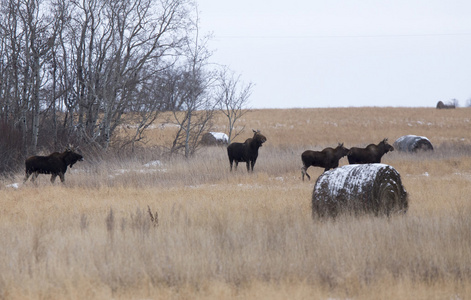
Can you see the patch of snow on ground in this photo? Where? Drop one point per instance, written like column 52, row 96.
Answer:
column 154, row 163
column 13, row 185
column 150, row 167
column 249, row 186
column 463, row 175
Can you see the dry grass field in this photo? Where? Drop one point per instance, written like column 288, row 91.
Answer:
column 223, row 235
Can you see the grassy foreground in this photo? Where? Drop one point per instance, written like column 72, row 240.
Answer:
column 222, row 235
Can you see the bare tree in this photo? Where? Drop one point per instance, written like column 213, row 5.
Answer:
column 196, row 106
column 115, row 44
column 27, row 40
column 71, row 69
column 232, row 97
column 455, row 102
column 148, row 103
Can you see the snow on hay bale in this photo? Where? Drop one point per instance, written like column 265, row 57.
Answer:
column 413, row 143
column 359, row 188
column 214, row 139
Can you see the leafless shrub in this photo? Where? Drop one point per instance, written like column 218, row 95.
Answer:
column 84, row 223
column 153, row 217
column 110, row 222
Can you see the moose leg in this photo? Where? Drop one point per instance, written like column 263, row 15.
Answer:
column 252, row 163
column 304, row 172
column 27, row 174
column 35, row 175
column 230, row 162
column 62, row 177
column 53, row 178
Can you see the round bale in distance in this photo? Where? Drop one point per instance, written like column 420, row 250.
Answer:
column 413, row 143
column 214, row 139
column 359, row 188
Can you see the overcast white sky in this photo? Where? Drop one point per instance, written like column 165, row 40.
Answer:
column 336, row 53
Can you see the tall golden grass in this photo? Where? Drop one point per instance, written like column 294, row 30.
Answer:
column 223, row 235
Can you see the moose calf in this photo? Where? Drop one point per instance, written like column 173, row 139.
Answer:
column 327, row 158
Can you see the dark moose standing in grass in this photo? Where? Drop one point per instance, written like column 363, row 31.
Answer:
column 327, row 158
column 369, row 155
column 247, row 151
column 55, row 164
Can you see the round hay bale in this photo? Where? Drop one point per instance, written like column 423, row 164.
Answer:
column 441, row 105
column 357, row 189
column 214, row 139
column 413, row 143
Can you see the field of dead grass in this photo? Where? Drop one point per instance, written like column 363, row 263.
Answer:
column 223, row 235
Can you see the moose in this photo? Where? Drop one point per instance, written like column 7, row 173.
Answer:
column 246, row 152
column 327, row 158
column 369, row 155
column 55, row 164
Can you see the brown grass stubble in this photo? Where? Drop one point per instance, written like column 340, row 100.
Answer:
column 229, row 235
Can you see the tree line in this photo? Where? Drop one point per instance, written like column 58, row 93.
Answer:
column 71, row 70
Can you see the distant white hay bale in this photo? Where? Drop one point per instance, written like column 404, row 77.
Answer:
column 413, row 143
column 214, row 139
column 356, row 189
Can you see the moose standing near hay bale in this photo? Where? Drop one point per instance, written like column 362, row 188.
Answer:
column 246, row 152
column 328, row 158
column 55, row 164
column 369, row 155
column 359, row 189
column 413, row 143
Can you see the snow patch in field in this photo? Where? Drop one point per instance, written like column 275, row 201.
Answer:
column 154, row 163
column 249, row 186
column 162, row 126
column 148, row 168
column 419, row 123
column 13, row 186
